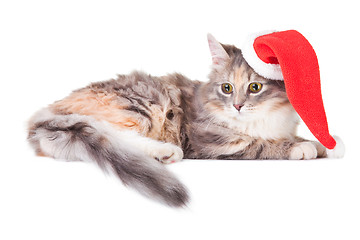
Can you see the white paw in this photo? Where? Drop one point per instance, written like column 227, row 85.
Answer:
column 321, row 150
column 167, row 153
column 303, row 150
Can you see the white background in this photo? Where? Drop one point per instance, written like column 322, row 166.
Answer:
column 49, row 48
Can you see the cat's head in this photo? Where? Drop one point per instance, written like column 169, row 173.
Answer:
column 236, row 92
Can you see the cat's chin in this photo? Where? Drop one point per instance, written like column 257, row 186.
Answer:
column 245, row 117
column 234, row 118
column 242, row 116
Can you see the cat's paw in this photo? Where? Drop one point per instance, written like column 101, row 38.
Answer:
column 304, row 150
column 321, row 150
column 167, row 153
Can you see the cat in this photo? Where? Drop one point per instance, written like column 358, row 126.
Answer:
column 134, row 124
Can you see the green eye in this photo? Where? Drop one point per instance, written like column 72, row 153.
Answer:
column 227, row 88
column 255, row 87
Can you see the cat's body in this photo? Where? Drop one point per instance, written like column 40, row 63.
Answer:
column 134, row 123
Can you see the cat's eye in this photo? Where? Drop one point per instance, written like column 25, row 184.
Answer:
column 255, row 87
column 227, row 88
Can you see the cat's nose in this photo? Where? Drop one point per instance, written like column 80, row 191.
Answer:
column 237, row 106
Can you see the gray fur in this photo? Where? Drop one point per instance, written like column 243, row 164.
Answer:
column 80, row 138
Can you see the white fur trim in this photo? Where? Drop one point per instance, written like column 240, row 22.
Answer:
column 267, row 70
column 338, row 151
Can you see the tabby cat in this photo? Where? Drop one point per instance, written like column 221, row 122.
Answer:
column 133, row 124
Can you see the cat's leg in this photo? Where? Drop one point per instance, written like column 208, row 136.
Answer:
column 295, row 149
column 160, row 151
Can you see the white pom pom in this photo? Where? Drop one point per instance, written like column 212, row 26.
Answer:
column 338, row 151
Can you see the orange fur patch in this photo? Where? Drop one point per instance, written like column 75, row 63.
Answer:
column 158, row 119
column 238, row 77
column 101, row 106
column 39, row 153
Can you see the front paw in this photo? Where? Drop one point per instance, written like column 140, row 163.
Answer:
column 304, row 150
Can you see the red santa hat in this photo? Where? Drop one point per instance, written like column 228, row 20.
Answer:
column 288, row 56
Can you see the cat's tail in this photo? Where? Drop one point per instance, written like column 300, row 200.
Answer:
column 76, row 137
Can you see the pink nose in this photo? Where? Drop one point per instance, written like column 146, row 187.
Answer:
column 237, row 106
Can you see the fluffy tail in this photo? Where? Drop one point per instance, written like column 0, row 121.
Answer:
column 75, row 137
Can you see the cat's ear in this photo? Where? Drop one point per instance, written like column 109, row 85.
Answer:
column 218, row 53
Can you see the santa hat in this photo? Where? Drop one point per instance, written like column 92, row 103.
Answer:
column 288, row 56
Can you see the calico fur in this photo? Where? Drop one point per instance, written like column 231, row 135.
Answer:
column 132, row 124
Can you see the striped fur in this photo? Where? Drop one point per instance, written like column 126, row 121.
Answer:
column 132, row 124
column 82, row 138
